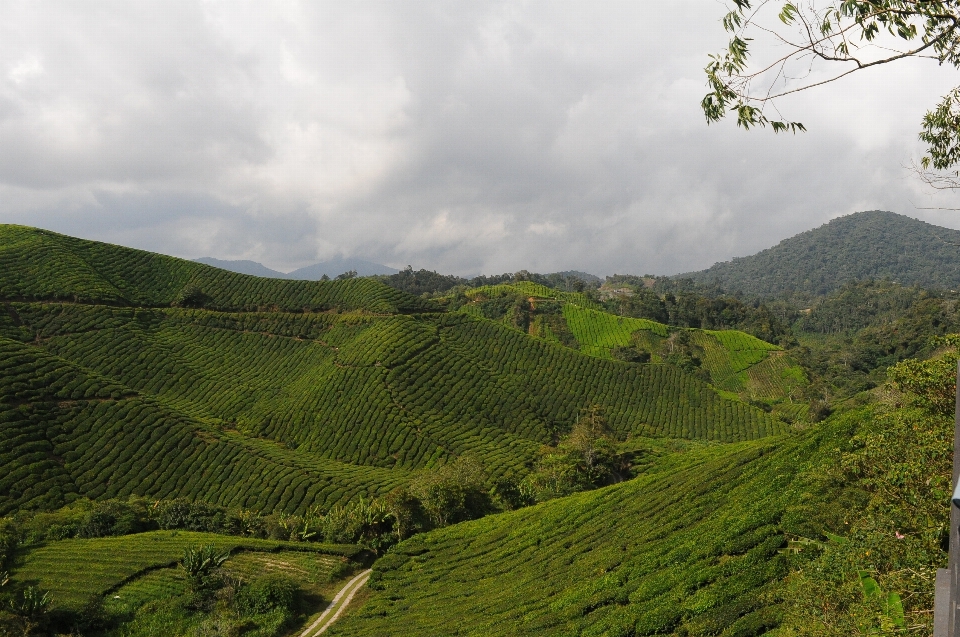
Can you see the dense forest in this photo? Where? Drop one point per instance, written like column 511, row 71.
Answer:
column 864, row 245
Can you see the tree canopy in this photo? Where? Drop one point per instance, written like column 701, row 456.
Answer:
column 847, row 36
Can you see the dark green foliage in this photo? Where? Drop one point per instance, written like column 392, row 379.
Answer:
column 858, row 305
column 585, row 459
column 191, row 296
column 854, row 361
column 865, row 245
column 273, row 592
column 191, row 516
column 629, row 354
column 421, row 281
column 697, row 307
column 109, row 518
column 10, row 538
column 199, row 565
column 453, row 493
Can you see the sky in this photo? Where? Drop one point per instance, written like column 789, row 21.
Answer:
column 468, row 138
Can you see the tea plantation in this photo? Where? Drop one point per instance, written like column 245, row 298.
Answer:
column 73, row 570
column 698, row 546
column 283, row 395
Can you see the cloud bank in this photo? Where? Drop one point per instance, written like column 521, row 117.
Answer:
column 463, row 137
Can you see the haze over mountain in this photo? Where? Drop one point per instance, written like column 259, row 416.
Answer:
column 331, row 268
column 242, row 266
column 865, row 245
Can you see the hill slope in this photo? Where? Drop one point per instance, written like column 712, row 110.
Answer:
column 277, row 410
column 694, row 548
column 863, row 245
column 38, row 264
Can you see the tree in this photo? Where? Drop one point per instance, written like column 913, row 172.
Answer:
column 585, row 459
column 851, row 35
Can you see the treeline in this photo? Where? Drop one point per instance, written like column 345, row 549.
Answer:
column 420, row 282
column 895, row 330
column 585, row 458
column 682, row 303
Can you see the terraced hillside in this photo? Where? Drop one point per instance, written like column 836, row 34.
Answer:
column 738, row 365
column 696, row 547
column 116, row 392
column 141, row 566
column 42, row 265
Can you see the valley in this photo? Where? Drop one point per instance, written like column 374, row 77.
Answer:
column 523, row 455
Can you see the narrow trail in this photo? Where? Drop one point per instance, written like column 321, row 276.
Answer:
column 337, row 605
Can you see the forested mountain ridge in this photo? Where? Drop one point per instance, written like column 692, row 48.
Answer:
column 864, row 245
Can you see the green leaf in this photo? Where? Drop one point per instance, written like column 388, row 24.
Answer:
column 871, row 588
column 788, row 14
column 895, row 610
column 836, row 539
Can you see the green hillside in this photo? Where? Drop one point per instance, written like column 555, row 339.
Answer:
column 864, row 245
column 43, row 265
column 113, row 394
column 739, row 365
column 74, row 569
column 696, row 547
column 833, row 531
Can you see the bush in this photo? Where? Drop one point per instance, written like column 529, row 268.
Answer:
column 10, row 539
column 192, row 516
column 191, row 296
column 630, row 354
column 200, row 566
column 106, row 519
column 585, row 459
column 454, row 492
column 266, row 594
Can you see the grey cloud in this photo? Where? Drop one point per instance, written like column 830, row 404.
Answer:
column 477, row 137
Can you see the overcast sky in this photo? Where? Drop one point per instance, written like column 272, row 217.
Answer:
column 462, row 137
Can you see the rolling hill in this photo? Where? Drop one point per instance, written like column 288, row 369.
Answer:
column 282, row 395
column 736, row 364
column 697, row 546
column 864, row 245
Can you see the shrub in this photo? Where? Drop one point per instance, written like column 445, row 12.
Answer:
column 630, row 354
column 191, row 296
column 585, row 459
column 200, row 565
column 269, row 593
column 454, row 492
column 191, row 516
column 10, row 539
column 106, row 519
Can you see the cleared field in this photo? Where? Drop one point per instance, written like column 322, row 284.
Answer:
column 73, row 570
column 598, row 331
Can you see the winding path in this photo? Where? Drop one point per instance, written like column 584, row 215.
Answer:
column 340, row 602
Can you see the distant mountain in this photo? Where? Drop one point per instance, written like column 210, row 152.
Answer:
column 339, row 265
column 864, row 245
column 314, row 272
column 243, row 267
